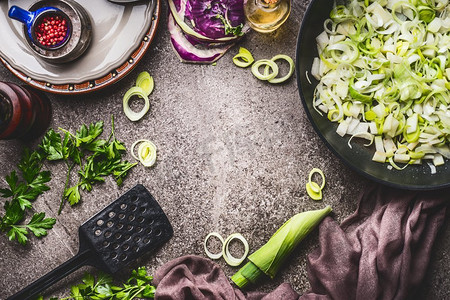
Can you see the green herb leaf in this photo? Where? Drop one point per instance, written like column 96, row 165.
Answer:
column 52, row 146
column 73, row 195
column 75, row 292
column 22, row 194
column 18, row 233
column 104, row 278
column 86, row 135
column 97, row 158
column 38, row 224
column 137, row 286
column 12, row 180
column 13, row 214
column 24, row 202
column 149, row 291
column 88, row 280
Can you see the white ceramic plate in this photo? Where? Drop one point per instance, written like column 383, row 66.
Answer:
column 121, row 34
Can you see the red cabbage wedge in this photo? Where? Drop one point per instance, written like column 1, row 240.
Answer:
column 203, row 30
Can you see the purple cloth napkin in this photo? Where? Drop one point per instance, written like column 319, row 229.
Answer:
column 195, row 277
column 380, row 252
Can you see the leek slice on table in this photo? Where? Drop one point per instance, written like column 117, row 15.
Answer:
column 289, row 73
column 146, row 152
column 269, row 258
column 312, row 188
column 143, row 88
column 229, row 258
column 205, row 245
column 135, row 91
column 269, row 65
column 244, row 58
column 145, row 82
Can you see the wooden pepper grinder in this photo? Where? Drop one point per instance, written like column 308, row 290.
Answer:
column 24, row 112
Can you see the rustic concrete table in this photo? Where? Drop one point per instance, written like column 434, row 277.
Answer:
column 234, row 156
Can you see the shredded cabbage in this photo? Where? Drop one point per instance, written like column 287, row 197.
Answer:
column 384, row 75
column 203, row 30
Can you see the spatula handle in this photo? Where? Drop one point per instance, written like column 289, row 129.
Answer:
column 35, row 288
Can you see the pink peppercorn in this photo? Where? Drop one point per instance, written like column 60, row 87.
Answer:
column 51, row 31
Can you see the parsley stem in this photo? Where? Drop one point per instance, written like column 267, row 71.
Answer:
column 141, row 289
column 66, row 184
column 112, row 134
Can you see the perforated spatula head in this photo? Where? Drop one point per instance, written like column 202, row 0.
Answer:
column 132, row 225
column 127, row 228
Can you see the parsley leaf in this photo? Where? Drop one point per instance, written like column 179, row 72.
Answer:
column 86, row 135
column 21, row 193
column 18, row 233
column 38, row 224
column 13, row 214
column 52, row 145
column 73, row 195
column 97, row 158
column 137, row 286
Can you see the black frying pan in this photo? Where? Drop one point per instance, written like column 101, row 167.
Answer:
column 415, row 177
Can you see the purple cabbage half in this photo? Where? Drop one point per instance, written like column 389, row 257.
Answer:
column 212, row 17
column 191, row 52
column 203, row 30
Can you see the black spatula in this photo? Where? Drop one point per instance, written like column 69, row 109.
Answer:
column 132, row 225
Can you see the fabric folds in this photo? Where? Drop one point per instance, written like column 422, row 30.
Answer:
column 195, row 277
column 381, row 251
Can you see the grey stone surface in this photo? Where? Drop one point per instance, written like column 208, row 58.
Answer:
column 234, row 154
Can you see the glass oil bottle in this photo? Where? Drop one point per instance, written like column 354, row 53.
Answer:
column 267, row 15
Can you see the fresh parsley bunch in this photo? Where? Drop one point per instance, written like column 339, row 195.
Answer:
column 22, row 192
column 96, row 158
column 102, row 288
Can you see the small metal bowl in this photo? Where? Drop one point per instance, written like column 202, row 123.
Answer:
column 55, row 13
column 34, row 20
column 78, row 35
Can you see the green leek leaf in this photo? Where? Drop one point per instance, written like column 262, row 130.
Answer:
column 269, row 258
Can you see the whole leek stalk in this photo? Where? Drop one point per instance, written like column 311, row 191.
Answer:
column 269, row 258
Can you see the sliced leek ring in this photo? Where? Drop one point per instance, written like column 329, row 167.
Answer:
column 135, row 91
column 145, row 82
column 314, row 191
column 208, row 253
column 230, row 259
column 244, row 58
column 146, row 152
column 312, row 188
column 319, row 171
column 291, row 68
column 269, row 65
